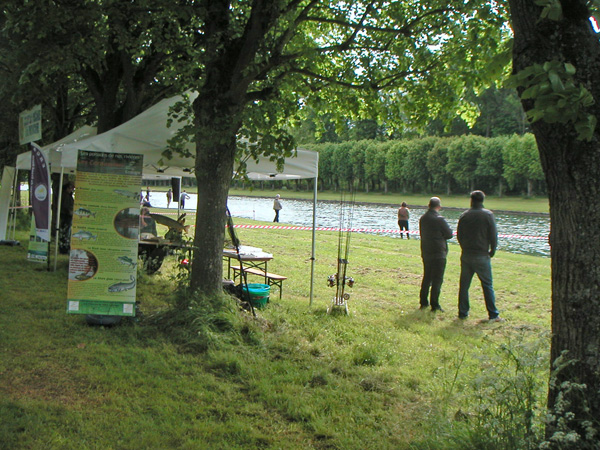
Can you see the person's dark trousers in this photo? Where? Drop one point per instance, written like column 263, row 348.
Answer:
column 482, row 266
column 433, row 277
column 403, row 225
column 64, row 236
column 276, row 219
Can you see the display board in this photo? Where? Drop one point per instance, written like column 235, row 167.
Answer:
column 104, row 238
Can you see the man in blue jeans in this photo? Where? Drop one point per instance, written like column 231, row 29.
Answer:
column 478, row 239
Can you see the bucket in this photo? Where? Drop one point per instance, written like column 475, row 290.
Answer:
column 259, row 294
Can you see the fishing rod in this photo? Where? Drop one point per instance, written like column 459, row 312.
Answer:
column 339, row 279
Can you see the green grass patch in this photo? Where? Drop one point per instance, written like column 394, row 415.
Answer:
column 387, row 376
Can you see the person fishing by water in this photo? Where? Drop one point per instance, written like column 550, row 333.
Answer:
column 403, row 216
column 277, row 206
column 182, row 198
column 169, row 197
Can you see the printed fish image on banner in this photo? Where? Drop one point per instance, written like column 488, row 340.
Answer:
column 128, row 194
column 127, row 261
column 83, row 212
column 85, row 235
column 123, row 286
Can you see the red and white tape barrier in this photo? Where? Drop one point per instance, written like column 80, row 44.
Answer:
column 366, row 230
column 353, row 230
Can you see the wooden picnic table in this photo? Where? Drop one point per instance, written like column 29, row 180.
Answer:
column 250, row 257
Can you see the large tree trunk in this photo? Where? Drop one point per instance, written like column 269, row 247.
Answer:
column 217, row 124
column 572, row 169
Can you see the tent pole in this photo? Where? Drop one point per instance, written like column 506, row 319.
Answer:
column 314, row 225
column 56, row 237
column 13, row 218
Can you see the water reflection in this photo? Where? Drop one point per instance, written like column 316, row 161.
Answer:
column 511, row 227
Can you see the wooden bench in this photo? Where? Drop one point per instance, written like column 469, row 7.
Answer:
column 272, row 279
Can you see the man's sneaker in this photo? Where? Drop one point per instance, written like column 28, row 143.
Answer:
column 497, row 319
column 424, row 307
column 463, row 317
column 436, row 310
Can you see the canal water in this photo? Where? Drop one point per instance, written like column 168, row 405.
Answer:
column 518, row 233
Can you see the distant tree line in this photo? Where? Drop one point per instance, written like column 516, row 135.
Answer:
column 499, row 165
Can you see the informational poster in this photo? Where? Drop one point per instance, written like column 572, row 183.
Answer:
column 104, row 237
column 39, row 196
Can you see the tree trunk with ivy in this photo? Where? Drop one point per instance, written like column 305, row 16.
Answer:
column 569, row 149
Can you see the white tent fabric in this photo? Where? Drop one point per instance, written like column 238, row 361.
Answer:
column 148, row 134
column 24, row 159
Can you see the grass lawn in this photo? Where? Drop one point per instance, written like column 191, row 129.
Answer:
column 387, row 376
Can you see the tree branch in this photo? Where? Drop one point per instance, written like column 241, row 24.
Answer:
column 405, row 30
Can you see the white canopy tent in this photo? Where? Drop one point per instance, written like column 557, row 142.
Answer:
column 149, row 135
column 53, row 150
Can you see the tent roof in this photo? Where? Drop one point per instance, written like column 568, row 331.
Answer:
column 24, row 159
column 148, row 134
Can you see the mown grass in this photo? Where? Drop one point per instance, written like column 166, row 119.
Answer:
column 387, row 376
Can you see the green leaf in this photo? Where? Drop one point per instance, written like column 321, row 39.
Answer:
column 585, row 128
column 570, row 69
column 531, row 92
column 556, row 82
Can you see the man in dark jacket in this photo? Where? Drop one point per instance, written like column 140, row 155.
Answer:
column 478, row 239
column 434, row 233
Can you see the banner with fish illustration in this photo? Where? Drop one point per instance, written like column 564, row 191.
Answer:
column 104, row 237
column 39, row 192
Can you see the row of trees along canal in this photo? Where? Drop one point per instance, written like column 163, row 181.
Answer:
column 501, row 165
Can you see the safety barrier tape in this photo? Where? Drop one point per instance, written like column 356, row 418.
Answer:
column 366, row 230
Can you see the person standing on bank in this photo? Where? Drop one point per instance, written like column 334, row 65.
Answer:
column 169, row 197
column 435, row 233
column 184, row 195
column 478, row 239
column 277, row 207
column 403, row 216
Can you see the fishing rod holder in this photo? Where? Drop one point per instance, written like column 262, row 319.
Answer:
column 340, row 300
column 334, row 281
